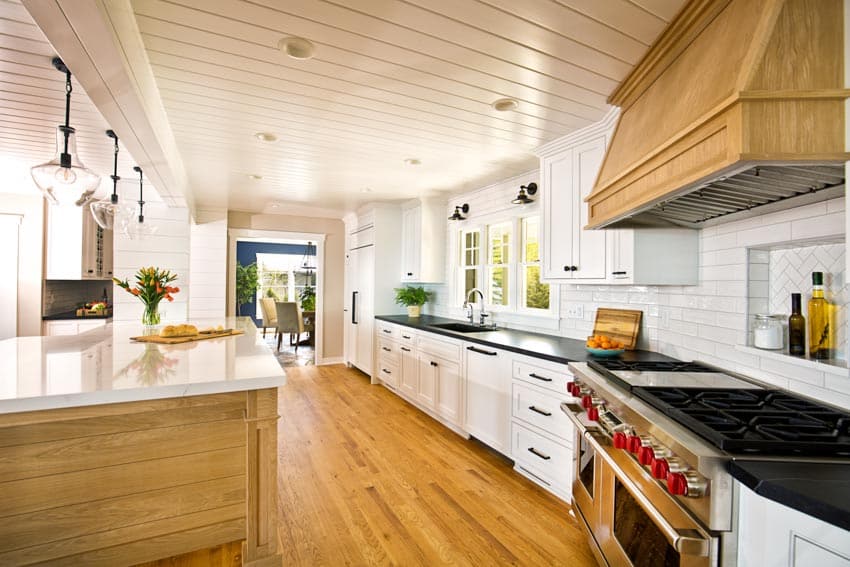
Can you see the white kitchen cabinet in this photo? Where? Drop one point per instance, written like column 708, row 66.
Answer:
column 772, row 534
column 75, row 246
column 409, row 379
column 488, row 379
column 374, row 251
column 570, row 253
column 423, row 241
column 654, row 256
column 426, row 390
column 70, row 326
column 449, row 391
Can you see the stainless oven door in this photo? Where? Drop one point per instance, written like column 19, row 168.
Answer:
column 639, row 523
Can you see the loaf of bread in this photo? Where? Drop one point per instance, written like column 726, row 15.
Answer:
column 178, row 331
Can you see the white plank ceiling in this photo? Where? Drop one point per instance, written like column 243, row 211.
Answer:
column 390, row 80
column 32, row 105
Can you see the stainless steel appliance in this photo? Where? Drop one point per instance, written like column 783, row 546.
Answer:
column 652, row 444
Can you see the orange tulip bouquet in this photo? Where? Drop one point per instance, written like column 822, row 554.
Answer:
column 151, row 287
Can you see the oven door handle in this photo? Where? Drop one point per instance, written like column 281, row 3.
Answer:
column 685, row 541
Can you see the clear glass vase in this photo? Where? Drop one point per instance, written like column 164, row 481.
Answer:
column 151, row 316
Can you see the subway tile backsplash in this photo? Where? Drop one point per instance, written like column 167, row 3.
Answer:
column 61, row 296
column 707, row 322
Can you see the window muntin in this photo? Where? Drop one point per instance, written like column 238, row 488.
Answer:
column 470, row 260
column 499, row 238
column 535, row 295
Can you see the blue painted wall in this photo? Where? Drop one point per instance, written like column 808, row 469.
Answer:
column 246, row 253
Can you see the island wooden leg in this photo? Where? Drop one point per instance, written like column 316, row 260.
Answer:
column 260, row 548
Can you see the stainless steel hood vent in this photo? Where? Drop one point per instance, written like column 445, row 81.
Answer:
column 762, row 186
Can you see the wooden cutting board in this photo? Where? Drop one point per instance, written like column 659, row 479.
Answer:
column 619, row 324
column 177, row 340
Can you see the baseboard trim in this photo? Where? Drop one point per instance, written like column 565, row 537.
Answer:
column 327, row 361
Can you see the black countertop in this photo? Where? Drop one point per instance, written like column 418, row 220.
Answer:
column 821, row 490
column 73, row 315
column 548, row 347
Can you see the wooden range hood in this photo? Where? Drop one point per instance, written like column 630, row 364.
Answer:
column 740, row 103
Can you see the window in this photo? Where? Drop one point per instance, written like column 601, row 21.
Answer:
column 507, row 269
column 470, row 260
column 535, row 295
column 498, row 264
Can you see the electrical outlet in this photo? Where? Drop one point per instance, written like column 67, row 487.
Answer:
column 575, row 311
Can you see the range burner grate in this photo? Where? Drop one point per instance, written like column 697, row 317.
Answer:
column 755, row 421
column 648, row 366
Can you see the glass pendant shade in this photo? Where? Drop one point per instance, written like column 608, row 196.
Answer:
column 64, row 180
column 111, row 215
column 139, row 230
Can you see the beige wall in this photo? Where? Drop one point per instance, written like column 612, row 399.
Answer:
column 334, row 268
column 30, row 252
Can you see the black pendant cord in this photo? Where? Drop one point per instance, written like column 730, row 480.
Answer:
column 115, row 178
column 65, row 157
column 141, row 200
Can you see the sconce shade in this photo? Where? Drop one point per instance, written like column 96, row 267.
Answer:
column 522, row 197
column 458, row 210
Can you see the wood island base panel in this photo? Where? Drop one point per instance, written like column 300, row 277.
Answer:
column 130, row 483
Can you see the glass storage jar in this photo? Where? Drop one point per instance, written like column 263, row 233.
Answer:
column 768, row 332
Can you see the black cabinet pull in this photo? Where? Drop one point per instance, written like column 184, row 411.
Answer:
column 480, row 351
column 573, row 268
column 409, row 273
column 534, row 451
column 566, row 268
column 386, row 349
column 540, row 411
column 618, row 273
column 405, row 336
column 433, row 363
column 387, row 331
column 405, row 349
column 386, row 371
column 354, row 307
column 538, row 377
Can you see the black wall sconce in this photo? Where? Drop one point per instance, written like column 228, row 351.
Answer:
column 525, row 190
column 458, row 210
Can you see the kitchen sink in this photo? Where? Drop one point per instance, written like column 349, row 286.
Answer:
column 461, row 327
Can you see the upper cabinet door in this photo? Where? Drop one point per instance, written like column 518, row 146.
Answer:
column 423, row 235
column 411, row 238
column 589, row 246
column 558, row 200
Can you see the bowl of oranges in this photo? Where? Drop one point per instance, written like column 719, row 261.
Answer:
column 604, row 346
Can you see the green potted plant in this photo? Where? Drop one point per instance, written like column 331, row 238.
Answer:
column 308, row 299
column 413, row 298
column 247, row 282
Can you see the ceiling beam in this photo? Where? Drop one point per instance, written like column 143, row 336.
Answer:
column 100, row 43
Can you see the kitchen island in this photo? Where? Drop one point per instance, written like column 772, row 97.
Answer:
column 114, row 452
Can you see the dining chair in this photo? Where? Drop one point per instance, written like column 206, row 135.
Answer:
column 269, row 313
column 289, row 320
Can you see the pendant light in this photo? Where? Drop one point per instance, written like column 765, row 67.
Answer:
column 522, row 198
column 140, row 229
column 64, row 179
column 309, row 260
column 108, row 213
column 458, row 210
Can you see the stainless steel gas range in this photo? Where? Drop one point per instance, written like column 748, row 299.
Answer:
column 653, row 441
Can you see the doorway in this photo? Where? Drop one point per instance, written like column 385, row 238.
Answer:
column 288, row 270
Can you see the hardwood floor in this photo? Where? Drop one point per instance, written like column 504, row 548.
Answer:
column 367, row 479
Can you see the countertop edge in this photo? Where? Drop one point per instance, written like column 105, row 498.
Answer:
column 106, row 397
column 772, row 489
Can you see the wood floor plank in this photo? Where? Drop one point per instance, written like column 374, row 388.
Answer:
column 367, row 479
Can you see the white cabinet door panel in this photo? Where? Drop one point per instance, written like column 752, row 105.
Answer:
column 488, row 375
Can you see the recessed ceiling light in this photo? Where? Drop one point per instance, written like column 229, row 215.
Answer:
column 366, row 190
column 505, row 104
column 254, row 176
column 412, row 161
column 265, row 137
column 297, row 47
column 274, row 206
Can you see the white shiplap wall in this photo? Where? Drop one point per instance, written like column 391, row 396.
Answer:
column 168, row 248
column 705, row 322
column 208, row 265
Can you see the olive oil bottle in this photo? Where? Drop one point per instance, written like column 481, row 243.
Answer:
column 821, row 336
column 796, row 328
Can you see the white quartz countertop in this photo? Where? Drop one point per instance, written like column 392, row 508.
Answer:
column 103, row 366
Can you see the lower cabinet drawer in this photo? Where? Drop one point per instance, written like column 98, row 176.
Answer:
column 388, row 351
column 542, row 410
column 388, row 372
column 552, row 377
column 549, row 461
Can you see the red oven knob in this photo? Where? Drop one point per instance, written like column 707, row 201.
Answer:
column 570, row 388
column 660, row 468
column 645, row 455
column 619, row 440
column 593, row 413
column 586, row 401
column 677, row 484
column 633, row 443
